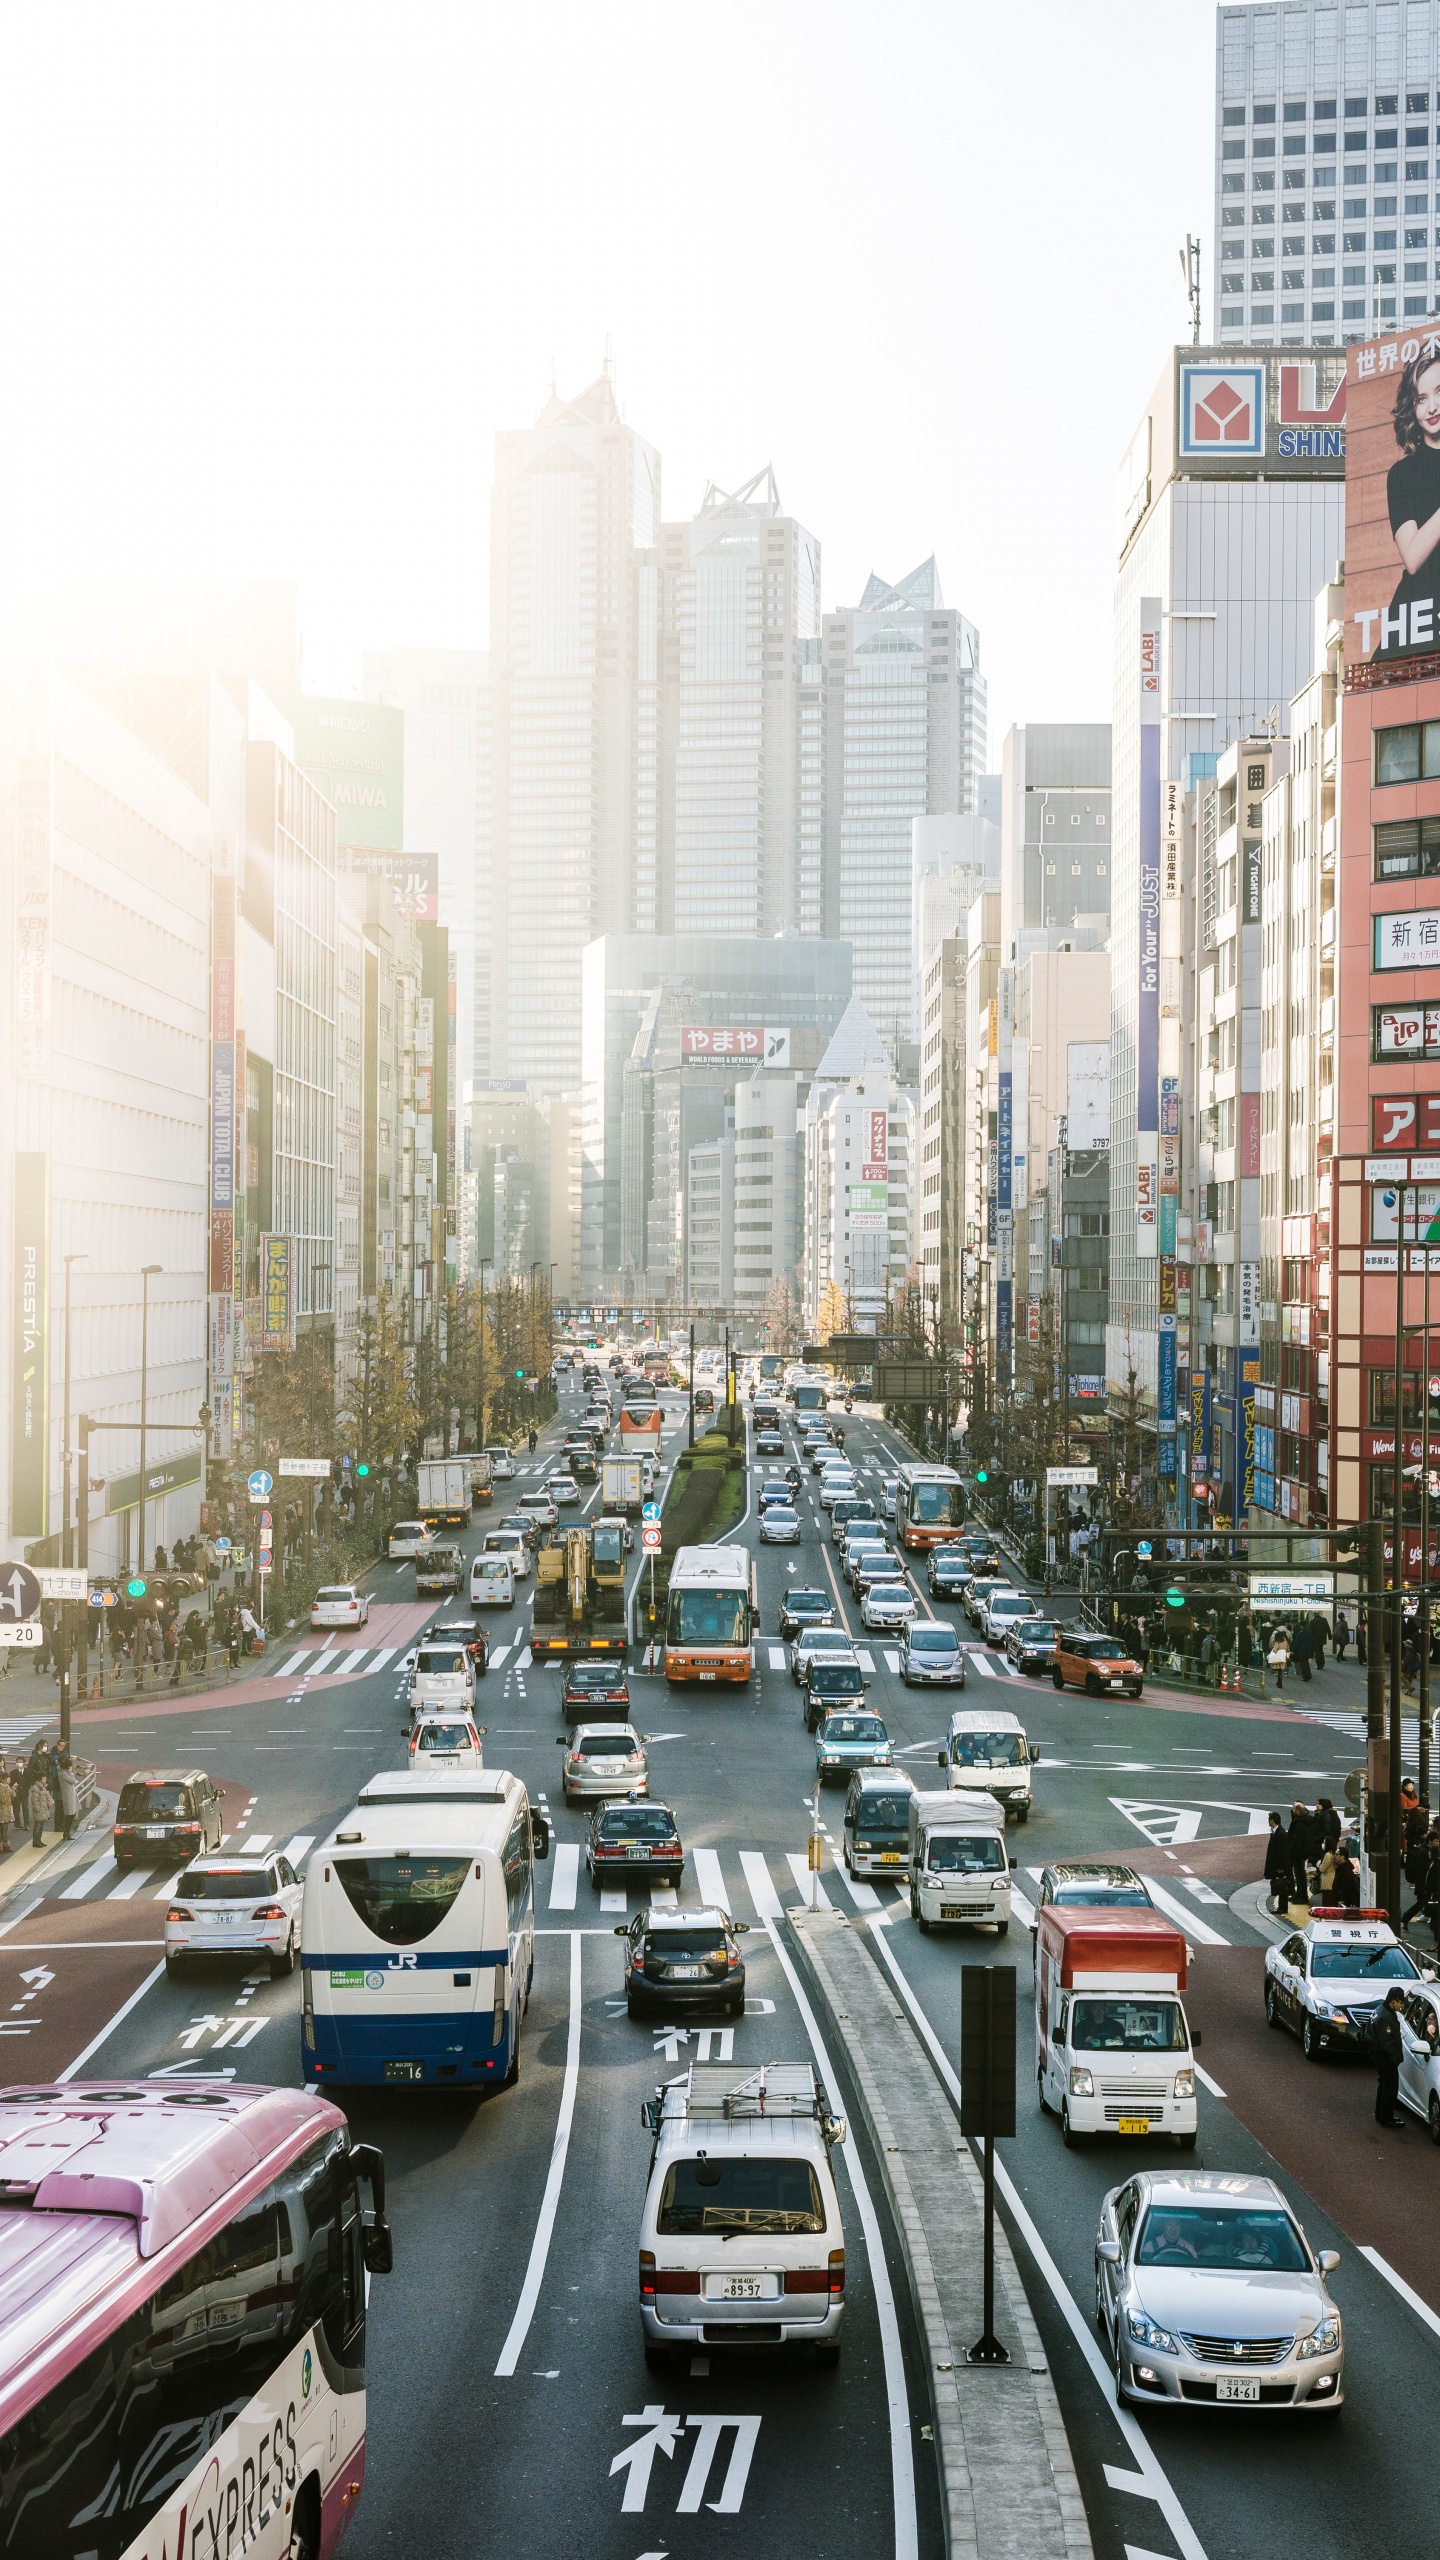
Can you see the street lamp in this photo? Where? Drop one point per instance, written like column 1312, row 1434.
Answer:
column 65, row 1554
column 149, row 1271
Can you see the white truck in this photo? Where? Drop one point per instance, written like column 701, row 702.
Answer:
column 622, row 1487
column 959, row 1869
column 1114, row 2052
column 444, row 1491
column 482, row 1480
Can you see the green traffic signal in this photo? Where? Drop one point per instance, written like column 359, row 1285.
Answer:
column 137, row 1587
column 1174, row 1599
column 980, row 1476
column 362, row 1467
column 519, row 1373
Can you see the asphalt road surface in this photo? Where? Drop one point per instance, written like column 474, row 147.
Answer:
column 508, row 2392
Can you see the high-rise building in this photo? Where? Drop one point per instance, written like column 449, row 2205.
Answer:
column 953, row 860
column 740, row 595
column 1325, row 150
column 1054, row 833
column 575, row 519
column 1232, row 519
column 859, row 1177
column 904, row 738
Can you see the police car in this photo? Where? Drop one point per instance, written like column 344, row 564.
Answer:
column 1326, row 1982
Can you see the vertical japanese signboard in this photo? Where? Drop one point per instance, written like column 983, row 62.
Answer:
column 277, row 1293
column 1147, row 1023
column 30, row 1348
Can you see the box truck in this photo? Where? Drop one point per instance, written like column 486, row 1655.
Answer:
column 959, row 1871
column 444, row 1491
column 1113, row 2048
column 622, row 1490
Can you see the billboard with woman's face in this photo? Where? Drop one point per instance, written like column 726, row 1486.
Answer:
column 1392, row 498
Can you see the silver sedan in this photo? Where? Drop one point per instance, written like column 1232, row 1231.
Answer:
column 603, row 1760
column 1211, row 2296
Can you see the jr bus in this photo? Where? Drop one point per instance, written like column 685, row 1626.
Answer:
column 419, row 1933
column 929, row 1506
column 710, row 1615
column 640, row 1428
column 182, row 2320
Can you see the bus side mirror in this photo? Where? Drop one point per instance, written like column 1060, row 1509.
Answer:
column 378, row 2247
column 539, row 1834
column 939, row 1759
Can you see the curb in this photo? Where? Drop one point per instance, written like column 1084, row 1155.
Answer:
column 1007, row 2474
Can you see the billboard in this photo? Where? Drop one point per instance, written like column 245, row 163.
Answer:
column 355, row 753
column 277, row 1293
column 1244, row 410
column 1147, row 1019
column 413, row 880
column 766, row 1048
column 1392, row 494
column 876, row 1142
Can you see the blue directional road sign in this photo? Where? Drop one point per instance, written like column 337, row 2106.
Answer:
column 651, row 1511
column 260, row 1484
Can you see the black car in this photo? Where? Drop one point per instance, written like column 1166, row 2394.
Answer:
column 768, row 1442
column 683, row 1960
column 805, row 1609
column 590, row 1685
column 983, row 1553
column 474, row 1639
column 634, row 1838
column 950, row 1572
column 1030, row 1644
column 166, row 1817
column 828, row 1685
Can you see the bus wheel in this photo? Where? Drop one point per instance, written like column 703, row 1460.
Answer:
column 513, row 2074
column 305, row 2525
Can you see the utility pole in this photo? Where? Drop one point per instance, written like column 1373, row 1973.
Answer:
column 149, row 1271
column 692, row 1387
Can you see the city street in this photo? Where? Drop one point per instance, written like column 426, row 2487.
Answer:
column 513, row 2301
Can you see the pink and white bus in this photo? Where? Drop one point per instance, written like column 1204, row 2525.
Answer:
column 182, row 2320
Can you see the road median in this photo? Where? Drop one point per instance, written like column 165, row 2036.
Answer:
column 1007, row 2477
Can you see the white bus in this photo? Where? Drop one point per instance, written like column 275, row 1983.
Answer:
column 710, row 1615
column 929, row 1506
column 419, row 1933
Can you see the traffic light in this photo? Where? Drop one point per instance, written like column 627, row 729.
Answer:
column 519, row 1373
column 1174, row 1599
column 136, row 1586
column 981, row 1476
column 362, row 1466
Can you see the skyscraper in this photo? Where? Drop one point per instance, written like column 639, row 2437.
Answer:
column 1055, row 832
column 1320, row 232
column 574, row 521
column 741, row 591
column 904, row 714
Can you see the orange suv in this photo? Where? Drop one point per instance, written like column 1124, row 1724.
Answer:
column 1096, row 1664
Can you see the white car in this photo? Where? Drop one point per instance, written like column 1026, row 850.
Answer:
column 339, row 1605
column 235, row 1906
column 539, row 1508
column 512, row 1543
column 816, row 1643
column 446, row 1742
column 779, row 1526
column 1326, row 1981
column 492, row 1581
column 502, row 1465
column 888, row 1604
column 562, row 1489
column 838, row 1486
column 1420, row 2070
column 889, row 1495
column 408, row 1538
column 1211, row 2296
column 442, row 1680
column 1002, row 1611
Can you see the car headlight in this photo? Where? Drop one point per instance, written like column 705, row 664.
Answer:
column 1082, row 2083
column 1324, row 2339
column 1322, row 2008
column 1184, row 2084
column 1148, row 2333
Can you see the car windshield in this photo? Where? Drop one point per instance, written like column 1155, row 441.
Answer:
column 223, row 1884
column 987, row 1750
column 1039, row 1631
column 401, row 1899
column 1100, row 1649
column 1128, row 2026
column 948, row 1568
column 799, row 1601
column 1010, row 1604
column 967, row 1857
column 1104, row 1897
column 1361, row 1964
column 882, row 1813
column 604, row 1746
column 435, row 1661
column 490, row 1568
column 142, row 1803
column 636, row 1822
column 939, row 1506
column 837, row 1680
column 782, row 1512
column 822, row 1640
column 931, row 1640
column 1261, row 2241
column 767, row 2195
column 854, row 1729
column 594, row 1675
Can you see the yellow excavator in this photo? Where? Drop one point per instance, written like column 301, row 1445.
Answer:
column 580, row 1589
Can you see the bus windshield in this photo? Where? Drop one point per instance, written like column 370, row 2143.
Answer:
column 988, row 1750
column 937, row 1505
column 708, row 1617
column 401, row 1899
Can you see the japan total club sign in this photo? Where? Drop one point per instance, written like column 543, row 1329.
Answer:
column 876, row 1167
column 766, row 1048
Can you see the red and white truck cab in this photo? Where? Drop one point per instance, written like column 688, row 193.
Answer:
column 1113, row 2048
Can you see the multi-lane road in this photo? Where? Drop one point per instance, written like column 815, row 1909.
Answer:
column 509, row 2394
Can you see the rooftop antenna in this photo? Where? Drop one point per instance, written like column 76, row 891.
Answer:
column 1190, row 269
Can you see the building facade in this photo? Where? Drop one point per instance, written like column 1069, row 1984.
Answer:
column 1055, row 832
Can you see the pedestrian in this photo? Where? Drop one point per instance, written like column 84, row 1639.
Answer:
column 1345, row 1884
column 1301, row 1840
column 233, row 1639
column 531, row 1441
column 1320, row 1632
column 67, row 1788
column 1300, row 1649
column 7, row 1808
column 1419, row 1850
column 1414, row 1817
column 1277, row 1864
column 42, row 1813
column 1388, row 2046
column 1342, row 1634
column 162, row 1561
column 1327, row 1827
column 195, row 1640
column 1278, row 1655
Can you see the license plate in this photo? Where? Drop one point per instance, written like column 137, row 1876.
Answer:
column 687, row 1973
column 221, row 1919
column 707, row 1675
column 1236, row 2386
column 1117, row 1684
column 404, row 2070
column 1133, row 2124
column 892, row 1857
column 641, row 1854
column 742, row 2289
column 154, row 1835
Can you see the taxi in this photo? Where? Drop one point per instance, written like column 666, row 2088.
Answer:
column 1095, row 1664
column 1326, row 1981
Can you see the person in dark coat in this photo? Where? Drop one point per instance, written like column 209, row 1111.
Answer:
column 1388, row 2046
column 1319, row 1631
column 1346, row 1888
column 1342, row 1634
column 1301, row 1647
column 1277, row 1863
column 1327, row 1826
column 1301, row 1852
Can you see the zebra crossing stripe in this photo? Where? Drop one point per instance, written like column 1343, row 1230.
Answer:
column 979, row 1661
column 287, row 1669
column 777, row 1657
column 767, row 1901
column 566, row 1877
column 710, row 1879
column 98, row 1869
column 498, row 1655
column 298, row 1848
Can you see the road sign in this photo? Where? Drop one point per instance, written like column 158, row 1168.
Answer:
column 651, row 1534
column 63, row 1581
column 1072, row 1475
column 21, row 1631
column 266, row 1525
column 104, row 1599
column 19, row 1592
column 911, row 1382
column 259, row 1484
column 650, row 1511
column 222, row 1546
column 304, row 1467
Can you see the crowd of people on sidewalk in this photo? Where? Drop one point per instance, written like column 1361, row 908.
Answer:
column 40, row 1794
column 1315, row 1858
column 168, row 1635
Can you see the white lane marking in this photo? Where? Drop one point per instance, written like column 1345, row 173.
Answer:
column 864, row 1896
column 257, row 1841
column 23, row 1914
column 976, row 1660
column 384, row 1654
column 1406, row 2292
column 1190, row 1921
column 549, row 2202
column 1201, row 1890
column 1134, row 2482
column 710, row 1879
column 123, row 2012
column 762, row 1891
column 777, row 1657
column 1257, row 1818
column 1191, row 2546
column 865, row 1660
column 566, row 1877
column 498, row 1655
column 296, row 1849
column 664, row 1897
column 88, row 1877
column 163, row 1891
column 1023, row 1909
column 1165, row 1826
column 294, row 1663
column 892, row 1659
column 522, row 1659
column 129, row 1885
column 808, row 1886
column 902, row 2462
column 352, row 1659
column 1212, row 2085
column 612, row 1902
column 321, row 1661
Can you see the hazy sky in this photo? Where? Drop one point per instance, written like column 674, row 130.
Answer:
column 272, row 276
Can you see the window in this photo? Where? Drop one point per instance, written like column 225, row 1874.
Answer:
column 1324, row 112
column 1407, row 849
column 1232, row 115
column 1417, row 239
column 1323, row 245
column 1293, row 281
column 1262, row 311
column 1232, row 249
column 1263, row 115
column 1294, row 111
column 1408, row 754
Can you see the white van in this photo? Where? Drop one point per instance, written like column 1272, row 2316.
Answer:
column 442, row 1678
column 959, row 1870
column 492, row 1581
column 409, row 1538
column 512, row 1543
column 986, row 1750
column 419, row 1933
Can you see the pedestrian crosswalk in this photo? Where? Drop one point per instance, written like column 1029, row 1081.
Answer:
column 96, row 1882
column 348, row 1658
column 768, row 1884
